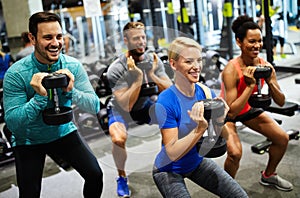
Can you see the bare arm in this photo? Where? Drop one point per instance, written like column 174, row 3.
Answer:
column 176, row 148
column 274, row 88
column 230, row 79
column 162, row 82
column 126, row 97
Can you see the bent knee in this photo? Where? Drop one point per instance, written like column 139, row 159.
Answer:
column 118, row 135
column 120, row 141
column 234, row 154
column 285, row 138
column 282, row 140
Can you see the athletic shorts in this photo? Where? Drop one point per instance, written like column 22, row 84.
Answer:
column 252, row 113
column 142, row 116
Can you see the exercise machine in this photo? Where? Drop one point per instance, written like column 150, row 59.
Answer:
column 288, row 109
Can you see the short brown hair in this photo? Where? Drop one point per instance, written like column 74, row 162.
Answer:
column 41, row 17
column 133, row 25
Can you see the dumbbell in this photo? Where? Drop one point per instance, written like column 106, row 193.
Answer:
column 5, row 143
column 212, row 145
column 87, row 122
column 3, row 148
column 148, row 88
column 58, row 114
column 258, row 99
column 103, row 89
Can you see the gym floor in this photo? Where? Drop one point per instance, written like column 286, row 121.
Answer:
column 142, row 146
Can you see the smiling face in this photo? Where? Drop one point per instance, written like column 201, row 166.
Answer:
column 136, row 41
column 48, row 42
column 252, row 43
column 189, row 64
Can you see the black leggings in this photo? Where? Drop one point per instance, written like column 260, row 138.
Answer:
column 280, row 39
column 30, row 160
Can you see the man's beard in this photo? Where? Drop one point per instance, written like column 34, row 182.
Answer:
column 135, row 53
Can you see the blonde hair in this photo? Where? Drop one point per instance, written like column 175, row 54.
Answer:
column 179, row 44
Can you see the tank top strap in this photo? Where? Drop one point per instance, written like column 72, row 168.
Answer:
column 262, row 61
column 237, row 66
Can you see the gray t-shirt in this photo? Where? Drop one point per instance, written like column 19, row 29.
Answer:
column 119, row 77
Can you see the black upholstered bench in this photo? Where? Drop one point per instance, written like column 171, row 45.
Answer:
column 287, row 109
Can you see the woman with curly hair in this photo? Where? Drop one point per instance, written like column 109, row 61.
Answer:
column 238, row 85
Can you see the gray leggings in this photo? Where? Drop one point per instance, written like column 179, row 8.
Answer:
column 208, row 175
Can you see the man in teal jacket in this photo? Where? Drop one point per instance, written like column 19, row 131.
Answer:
column 25, row 98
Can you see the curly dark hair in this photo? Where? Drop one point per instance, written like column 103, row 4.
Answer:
column 242, row 24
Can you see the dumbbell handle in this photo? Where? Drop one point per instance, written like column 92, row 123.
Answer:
column 210, row 130
column 258, row 82
column 56, row 101
column 146, row 79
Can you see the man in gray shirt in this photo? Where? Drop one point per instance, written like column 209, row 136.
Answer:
column 126, row 76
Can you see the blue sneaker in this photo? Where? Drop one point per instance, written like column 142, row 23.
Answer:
column 122, row 187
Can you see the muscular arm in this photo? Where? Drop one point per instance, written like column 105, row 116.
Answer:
column 126, row 97
column 162, row 81
column 126, row 93
column 235, row 103
column 274, row 88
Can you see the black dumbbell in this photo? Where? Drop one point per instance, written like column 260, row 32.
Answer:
column 262, row 72
column 258, row 99
column 212, row 145
column 3, row 149
column 87, row 122
column 148, row 88
column 213, row 108
column 59, row 114
column 55, row 80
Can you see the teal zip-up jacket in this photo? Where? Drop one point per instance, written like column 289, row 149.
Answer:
column 23, row 106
